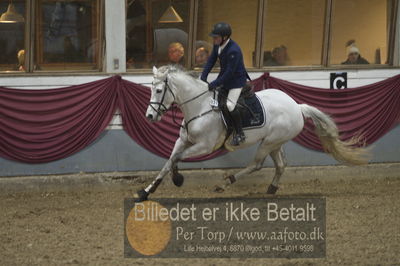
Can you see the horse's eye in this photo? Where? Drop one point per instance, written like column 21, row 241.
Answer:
column 158, row 91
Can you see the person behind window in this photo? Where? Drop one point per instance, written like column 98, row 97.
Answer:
column 201, row 56
column 353, row 55
column 176, row 53
column 232, row 76
column 278, row 57
column 135, row 58
column 71, row 54
column 21, row 60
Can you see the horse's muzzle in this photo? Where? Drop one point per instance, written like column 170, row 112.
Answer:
column 150, row 117
column 153, row 117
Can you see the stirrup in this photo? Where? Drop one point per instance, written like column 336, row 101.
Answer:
column 237, row 139
column 214, row 104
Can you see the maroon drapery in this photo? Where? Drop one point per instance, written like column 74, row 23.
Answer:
column 370, row 111
column 45, row 125
column 160, row 137
column 38, row 126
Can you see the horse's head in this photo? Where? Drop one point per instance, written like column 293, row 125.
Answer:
column 162, row 96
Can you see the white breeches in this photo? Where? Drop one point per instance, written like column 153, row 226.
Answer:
column 233, row 96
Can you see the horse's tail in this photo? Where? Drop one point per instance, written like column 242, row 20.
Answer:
column 327, row 131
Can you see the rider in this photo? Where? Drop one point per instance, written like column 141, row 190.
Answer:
column 232, row 75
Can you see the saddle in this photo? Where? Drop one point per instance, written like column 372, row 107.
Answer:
column 251, row 110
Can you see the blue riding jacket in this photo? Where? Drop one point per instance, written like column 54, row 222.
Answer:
column 233, row 74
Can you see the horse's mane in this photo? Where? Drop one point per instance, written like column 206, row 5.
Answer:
column 175, row 68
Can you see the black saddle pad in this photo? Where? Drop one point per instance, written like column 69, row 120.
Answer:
column 255, row 117
column 252, row 113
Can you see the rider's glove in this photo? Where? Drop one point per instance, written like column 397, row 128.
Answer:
column 211, row 87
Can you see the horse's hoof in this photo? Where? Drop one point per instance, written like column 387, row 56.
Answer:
column 142, row 195
column 231, row 179
column 272, row 189
column 177, row 178
column 219, row 189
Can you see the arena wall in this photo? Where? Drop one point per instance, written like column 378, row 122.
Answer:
column 116, row 151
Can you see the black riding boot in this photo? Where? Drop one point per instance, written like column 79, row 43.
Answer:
column 238, row 136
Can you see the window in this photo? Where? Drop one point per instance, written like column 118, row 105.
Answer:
column 157, row 32
column 241, row 15
column 66, row 35
column 360, row 32
column 12, row 35
column 293, row 32
column 284, row 34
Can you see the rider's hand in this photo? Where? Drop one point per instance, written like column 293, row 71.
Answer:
column 211, row 87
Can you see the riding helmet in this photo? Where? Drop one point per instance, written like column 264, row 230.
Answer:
column 221, row 29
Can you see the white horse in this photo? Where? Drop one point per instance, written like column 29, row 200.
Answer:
column 203, row 130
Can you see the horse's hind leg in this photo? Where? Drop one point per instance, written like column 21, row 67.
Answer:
column 262, row 152
column 280, row 164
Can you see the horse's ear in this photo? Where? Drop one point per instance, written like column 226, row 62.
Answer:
column 154, row 70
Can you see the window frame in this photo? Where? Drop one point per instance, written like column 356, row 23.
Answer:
column 194, row 6
column 31, row 48
column 395, row 13
column 150, row 34
column 326, row 44
column 260, row 40
column 38, row 45
column 26, row 33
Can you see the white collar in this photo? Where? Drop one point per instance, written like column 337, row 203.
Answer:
column 223, row 46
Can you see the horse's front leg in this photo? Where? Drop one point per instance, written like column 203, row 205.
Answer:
column 180, row 145
column 197, row 149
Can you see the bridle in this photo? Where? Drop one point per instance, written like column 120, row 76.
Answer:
column 162, row 108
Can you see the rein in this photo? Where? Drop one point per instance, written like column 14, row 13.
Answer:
column 186, row 126
column 160, row 104
column 194, row 98
column 162, row 108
